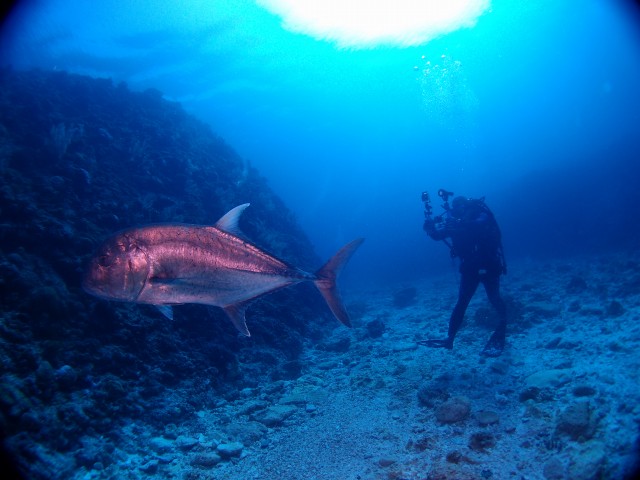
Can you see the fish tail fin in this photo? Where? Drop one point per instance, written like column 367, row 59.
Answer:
column 326, row 280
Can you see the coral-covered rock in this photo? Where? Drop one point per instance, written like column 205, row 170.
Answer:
column 590, row 463
column 274, row 416
column 487, row 417
column 228, row 450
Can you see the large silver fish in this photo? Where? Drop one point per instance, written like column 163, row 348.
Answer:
column 173, row 264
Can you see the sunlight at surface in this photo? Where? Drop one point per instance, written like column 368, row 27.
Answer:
column 369, row 23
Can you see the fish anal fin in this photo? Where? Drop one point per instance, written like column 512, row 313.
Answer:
column 165, row 310
column 236, row 313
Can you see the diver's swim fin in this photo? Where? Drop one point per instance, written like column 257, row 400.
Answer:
column 494, row 346
column 446, row 343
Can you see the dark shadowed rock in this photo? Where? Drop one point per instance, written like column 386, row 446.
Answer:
column 577, row 421
column 385, row 462
column 375, row 328
column 615, row 309
column 423, row 443
column 405, row 297
column 429, row 395
column 206, row 460
column 248, row 433
column 590, row 463
column 150, row 468
column 454, row 457
column 339, row 346
column 481, row 441
column 454, row 410
column 584, row 391
column 228, row 450
column 576, row 285
column 553, row 343
column 554, row 469
column 185, row 443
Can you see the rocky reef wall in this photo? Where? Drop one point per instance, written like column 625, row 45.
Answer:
column 81, row 158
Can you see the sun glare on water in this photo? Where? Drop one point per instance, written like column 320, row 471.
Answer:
column 370, row 23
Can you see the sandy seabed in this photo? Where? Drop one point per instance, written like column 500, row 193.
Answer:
column 562, row 402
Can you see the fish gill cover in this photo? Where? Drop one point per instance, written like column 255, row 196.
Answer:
column 82, row 158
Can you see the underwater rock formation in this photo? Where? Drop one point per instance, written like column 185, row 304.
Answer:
column 79, row 159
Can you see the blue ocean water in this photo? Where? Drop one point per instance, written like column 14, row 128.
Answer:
column 534, row 107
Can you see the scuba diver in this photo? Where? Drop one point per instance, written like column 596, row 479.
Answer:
column 475, row 239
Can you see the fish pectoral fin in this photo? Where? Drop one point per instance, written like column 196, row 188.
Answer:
column 236, row 313
column 165, row 310
column 168, row 281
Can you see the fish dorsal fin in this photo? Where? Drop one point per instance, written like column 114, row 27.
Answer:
column 236, row 313
column 229, row 221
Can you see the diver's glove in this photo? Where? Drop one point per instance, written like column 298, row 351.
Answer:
column 429, row 225
column 451, row 223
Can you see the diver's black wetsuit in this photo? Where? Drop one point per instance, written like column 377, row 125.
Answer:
column 475, row 239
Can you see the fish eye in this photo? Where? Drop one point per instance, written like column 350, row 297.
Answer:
column 105, row 260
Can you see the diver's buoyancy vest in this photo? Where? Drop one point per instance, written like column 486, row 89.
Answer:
column 484, row 243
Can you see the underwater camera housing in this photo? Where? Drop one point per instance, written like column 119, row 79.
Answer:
column 444, row 195
column 428, row 209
